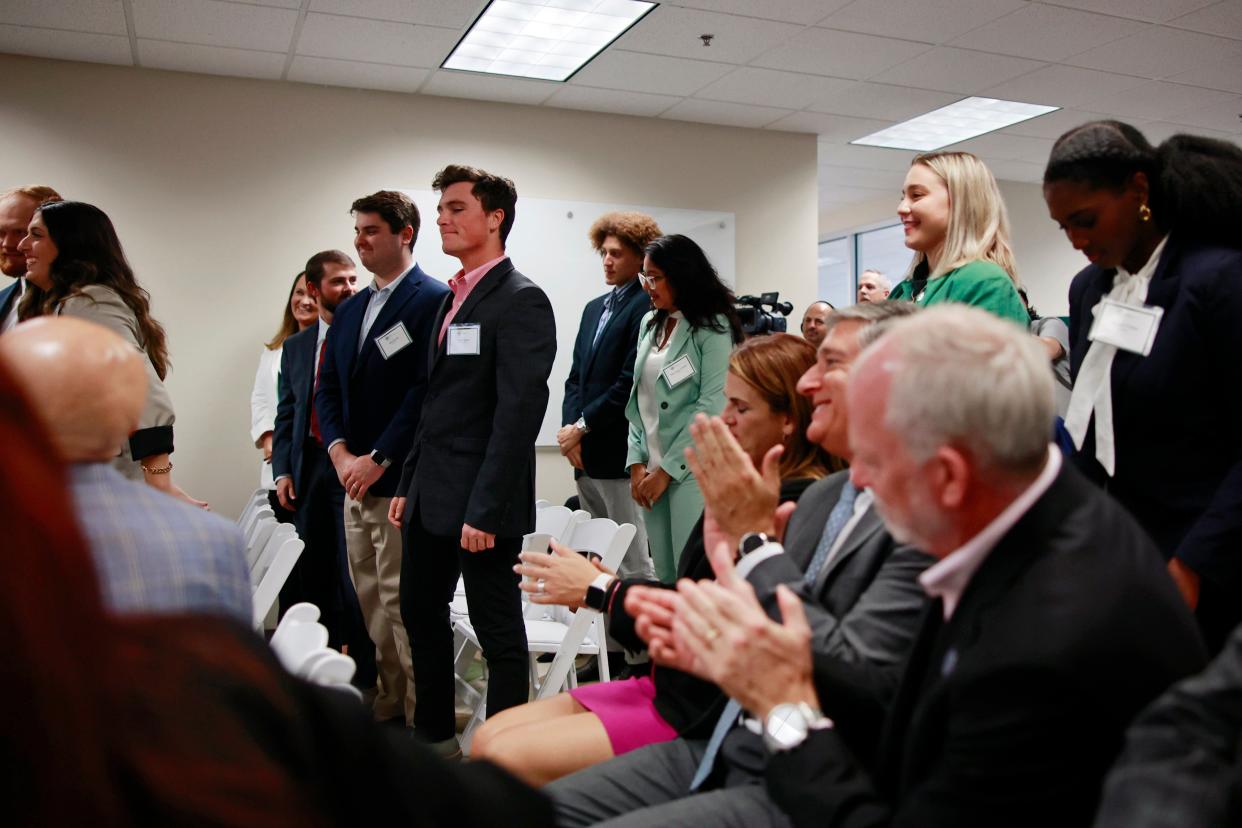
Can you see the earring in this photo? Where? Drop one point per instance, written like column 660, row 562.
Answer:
column 1144, row 213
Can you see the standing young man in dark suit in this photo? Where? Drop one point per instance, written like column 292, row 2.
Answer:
column 1053, row 620
column 306, row 484
column 594, row 433
column 468, row 485
column 370, row 397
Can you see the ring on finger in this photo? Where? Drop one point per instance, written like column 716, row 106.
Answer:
column 711, row 634
column 541, row 586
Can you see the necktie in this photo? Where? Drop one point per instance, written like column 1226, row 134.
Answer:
column 314, row 423
column 604, row 317
column 837, row 519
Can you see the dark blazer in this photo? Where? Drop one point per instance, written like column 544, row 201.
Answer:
column 369, row 401
column 293, row 405
column 9, row 296
column 473, row 457
column 1011, row 712
column 688, row 703
column 599, row 382
column 1175, row 418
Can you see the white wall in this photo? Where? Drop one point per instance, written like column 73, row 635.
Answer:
column 222, row 187
column 1046, row 262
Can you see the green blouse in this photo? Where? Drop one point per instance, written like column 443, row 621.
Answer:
column 982, row 284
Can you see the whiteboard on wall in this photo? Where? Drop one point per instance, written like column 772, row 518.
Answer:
column 548, row 243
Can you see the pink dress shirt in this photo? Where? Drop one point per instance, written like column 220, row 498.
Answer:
column 461, row 285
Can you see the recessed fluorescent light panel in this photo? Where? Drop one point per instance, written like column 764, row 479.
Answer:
column 543, row 39
column 956, row 122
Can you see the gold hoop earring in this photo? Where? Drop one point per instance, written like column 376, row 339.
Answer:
column 1144, row 213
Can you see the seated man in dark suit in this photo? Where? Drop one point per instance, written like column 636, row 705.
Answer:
column 1052, row 623
column 859, row 586
column 306, row 483
column 368, row 402
column 595, row 433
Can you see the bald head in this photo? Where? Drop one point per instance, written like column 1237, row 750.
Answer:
column 86, row 383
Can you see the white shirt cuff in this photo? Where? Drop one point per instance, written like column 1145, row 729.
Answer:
column 769, row 550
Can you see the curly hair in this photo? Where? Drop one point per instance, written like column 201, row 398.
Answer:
column 634, row 230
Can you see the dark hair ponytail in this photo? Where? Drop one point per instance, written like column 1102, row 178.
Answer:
column 1195, row 183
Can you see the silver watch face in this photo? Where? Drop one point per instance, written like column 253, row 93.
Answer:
column 786, row 727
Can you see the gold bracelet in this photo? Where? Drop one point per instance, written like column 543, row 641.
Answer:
column 164, row 470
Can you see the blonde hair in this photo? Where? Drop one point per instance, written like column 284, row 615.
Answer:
column 38, row 193
column 978, row 221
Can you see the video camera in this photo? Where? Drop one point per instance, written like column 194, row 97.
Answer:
column 757, row 319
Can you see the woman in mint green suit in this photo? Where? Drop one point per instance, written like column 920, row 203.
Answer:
column 955, row 222
column 683, row 356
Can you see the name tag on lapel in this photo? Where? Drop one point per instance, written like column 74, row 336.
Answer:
column 678, row 372
column 394, row 339
column 463, row 340
column 1129, row 327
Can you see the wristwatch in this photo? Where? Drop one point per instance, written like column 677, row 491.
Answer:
column 752, row 542
column 788, row 725
column 380, row 459
column 582, row 426
column 597, row 593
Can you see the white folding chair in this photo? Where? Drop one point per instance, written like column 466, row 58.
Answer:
column 558, row 522
column 274, row 578
column 303, row 613
column 276, row 536
column 332, row 670
column 542, row 504
column 299, row 642
column 261, row 512
column 257, row 498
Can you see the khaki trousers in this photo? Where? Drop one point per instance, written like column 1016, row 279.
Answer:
column 374, row 548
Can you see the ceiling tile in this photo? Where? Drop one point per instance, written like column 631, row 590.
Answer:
column 214, row 23
column 1158, row 52
column 673, row 31
column 878, row 100
column 357, row 75
column 1225, row 115
column 728, row 114
column 1225, row 74
column 488, row 87
column 870, row 158
column 1223, row 18
column 99, row 16
column 211, row 60
column 1066, row 86
column 451, row 13
column 611, row 101
column 805, row 12
column 999, row 145
column 1158, row 101
column 831, row 128
column 656, row 74
column 1054, row 124
column 840, row 54
column 1156, row 11
column 280, row 4
column 375, row 41
column 1047, row 33
column 1158, row 131
column 929, row 21
column 50, row 43
column 750, row 85
column 957, row 70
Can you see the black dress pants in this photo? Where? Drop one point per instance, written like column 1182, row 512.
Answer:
column 430, row 565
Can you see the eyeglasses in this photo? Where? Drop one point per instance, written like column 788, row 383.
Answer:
column 649, row 281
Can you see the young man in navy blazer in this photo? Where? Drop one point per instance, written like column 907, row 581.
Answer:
column 469, row 480
column 595, row 434
column 369, row 400
column 306, row 483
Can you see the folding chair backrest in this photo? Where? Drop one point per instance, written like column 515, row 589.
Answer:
column 553, row 520
column 274, row 578
column 303, row 613
column 299, row 642
column 605, row 538
column 542, row 504
column 257, row 498
column 333, row 669
column 257, row 518
column 278, row 534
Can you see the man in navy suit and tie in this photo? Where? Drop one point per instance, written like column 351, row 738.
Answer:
column 595, row 432
column 306, row 484
column 369, row 400
column 17, row 207
column 468, row 485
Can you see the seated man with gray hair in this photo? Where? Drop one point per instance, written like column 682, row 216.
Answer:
column 152, row 552
column 1052, row 620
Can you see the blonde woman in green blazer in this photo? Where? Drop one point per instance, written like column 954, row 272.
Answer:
column 683, row 356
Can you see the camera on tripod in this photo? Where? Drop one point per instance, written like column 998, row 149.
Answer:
column 759, row 314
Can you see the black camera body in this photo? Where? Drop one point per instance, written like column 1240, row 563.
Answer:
column 763, row 314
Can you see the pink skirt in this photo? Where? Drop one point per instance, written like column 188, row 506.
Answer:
column 628, row 712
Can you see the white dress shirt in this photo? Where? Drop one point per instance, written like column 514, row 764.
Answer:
column 10, row 320
column 375, row 304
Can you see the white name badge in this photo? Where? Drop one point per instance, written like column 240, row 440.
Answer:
column 678, row 372
column 1128, row 327
column 393, row 340
column 463, row 340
